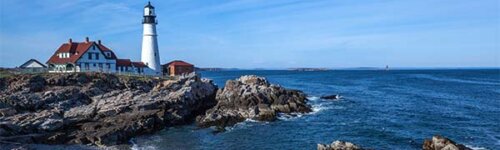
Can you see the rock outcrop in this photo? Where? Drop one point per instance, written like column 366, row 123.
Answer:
column 339, row 145
column 96, row 108
column 333, row 97
column 252, row 97
column 442, row 143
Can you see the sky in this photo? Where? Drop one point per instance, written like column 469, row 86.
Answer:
column 264, row 33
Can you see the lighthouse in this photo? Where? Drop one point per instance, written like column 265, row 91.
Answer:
column 150, row 54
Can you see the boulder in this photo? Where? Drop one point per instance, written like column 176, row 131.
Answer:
column 330, row 97
column 442, row 143
column 252, row 97
column 339, row 145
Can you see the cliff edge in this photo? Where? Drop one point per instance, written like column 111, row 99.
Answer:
column 96, row 108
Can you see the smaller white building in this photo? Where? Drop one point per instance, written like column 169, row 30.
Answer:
column 91, row 56
column 33, row 65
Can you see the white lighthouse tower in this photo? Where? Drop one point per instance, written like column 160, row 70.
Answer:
column 150, row 55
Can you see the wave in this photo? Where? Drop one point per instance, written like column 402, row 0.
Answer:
column 431, row 77
column 318, row 108
column 137, row 147
column 147, row 147
column 244, row 124
column 287, row 117
column 313, row 98
column 476, row 148
column 144, row 141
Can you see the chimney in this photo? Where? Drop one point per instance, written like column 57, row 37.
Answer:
column 99, row 42
column 70, row 41
column 87, row 39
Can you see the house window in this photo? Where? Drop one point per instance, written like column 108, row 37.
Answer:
column 108, row 65
column 96, row 55
column 126, row 68
column 121, row 69
column 100, row 65
column 94, row 64
column 87, row 66
column 90, row 56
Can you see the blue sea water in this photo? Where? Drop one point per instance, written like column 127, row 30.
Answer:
column 393, row 109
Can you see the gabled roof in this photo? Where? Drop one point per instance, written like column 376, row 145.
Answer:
column 178, row 63
column 76, row 51
column 106, row 49
column 30, row 61
column 73, row 48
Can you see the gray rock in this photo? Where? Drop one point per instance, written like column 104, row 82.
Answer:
column 96, row 108
column 339, row 145
column 333, row 97
column 51, row 124
column 442, row 143
column 252, row 97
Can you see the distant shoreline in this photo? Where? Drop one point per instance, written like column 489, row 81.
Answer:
column 341, row 69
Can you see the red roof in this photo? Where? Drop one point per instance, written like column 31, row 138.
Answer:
column 73, row 49
column 138, row 64
column 106, row 49
column 179, row 63
column 76, row 50
column 123, row 62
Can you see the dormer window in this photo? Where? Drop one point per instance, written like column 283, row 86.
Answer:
column 63, row 55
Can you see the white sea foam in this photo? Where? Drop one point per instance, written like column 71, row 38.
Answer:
column 137, row 147
column 313, row 98
column 147, row 147
column 476, row 148
column 250, row 120
column 291, row 116
column 318, row 107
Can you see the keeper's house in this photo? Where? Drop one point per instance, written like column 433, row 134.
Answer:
column 91, row 56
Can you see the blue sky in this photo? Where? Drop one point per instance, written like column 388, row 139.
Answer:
column 264, row 33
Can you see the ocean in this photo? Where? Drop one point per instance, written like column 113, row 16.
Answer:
column 378, row 109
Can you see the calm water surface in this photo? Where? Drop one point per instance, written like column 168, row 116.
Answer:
column 379, row 109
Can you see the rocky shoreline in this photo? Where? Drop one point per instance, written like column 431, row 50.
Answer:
column 98, row 109
column 105, row 109
column 108, row 110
